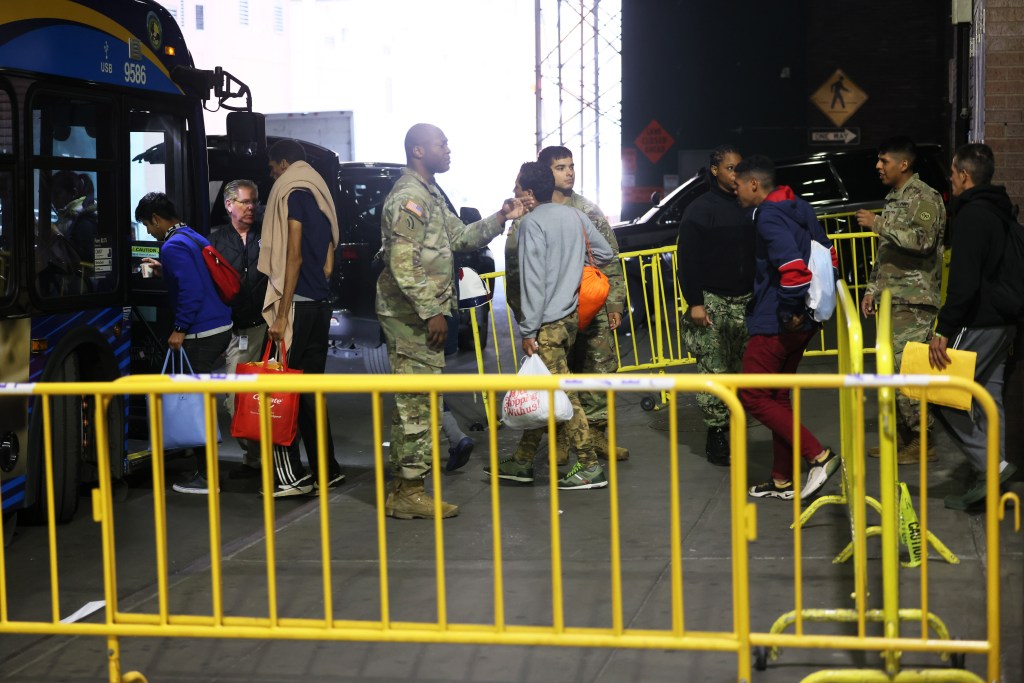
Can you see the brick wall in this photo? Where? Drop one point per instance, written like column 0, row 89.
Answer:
column 1004, row 92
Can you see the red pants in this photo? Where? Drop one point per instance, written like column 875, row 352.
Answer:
column 778, row 354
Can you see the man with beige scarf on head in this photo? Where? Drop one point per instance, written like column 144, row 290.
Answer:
column 300, row 233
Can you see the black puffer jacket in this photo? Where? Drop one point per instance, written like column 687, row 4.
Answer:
column 247, row 309
column 716, row 247
column 980, row 217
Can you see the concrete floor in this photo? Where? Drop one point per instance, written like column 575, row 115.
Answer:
column 956, row 592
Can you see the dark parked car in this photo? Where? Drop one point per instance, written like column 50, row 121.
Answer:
column 832, row 182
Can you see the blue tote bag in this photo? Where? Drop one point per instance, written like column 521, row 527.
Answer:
column 184, row 414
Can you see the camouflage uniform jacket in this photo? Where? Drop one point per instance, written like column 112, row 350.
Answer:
column 617, row 290
column 909, row 256
column 419, row 233
column 512, row 278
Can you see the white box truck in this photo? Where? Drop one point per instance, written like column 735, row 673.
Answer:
column 330, row 129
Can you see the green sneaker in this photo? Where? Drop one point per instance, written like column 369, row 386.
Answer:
column 975, row 496
column 580, row 477
column 513, row 470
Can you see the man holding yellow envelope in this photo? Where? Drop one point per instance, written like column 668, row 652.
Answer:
column 972, row 319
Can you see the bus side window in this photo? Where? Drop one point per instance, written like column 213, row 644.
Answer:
column 6, row 228
column 75, row 248
column 6, row 193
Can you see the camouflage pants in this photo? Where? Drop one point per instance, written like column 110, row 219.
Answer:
column 593, row 353
column 555, row 341
column 910, row 323
column 411, row 447
column 718, row 348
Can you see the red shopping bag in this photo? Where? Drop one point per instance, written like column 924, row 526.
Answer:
column 284, row 408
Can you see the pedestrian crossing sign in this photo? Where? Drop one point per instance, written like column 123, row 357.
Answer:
column 839, row 97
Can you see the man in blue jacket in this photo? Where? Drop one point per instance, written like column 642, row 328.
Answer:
column 778, row 321
column 202, row 322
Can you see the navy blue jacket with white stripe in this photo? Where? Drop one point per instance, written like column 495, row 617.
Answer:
column 785, row 225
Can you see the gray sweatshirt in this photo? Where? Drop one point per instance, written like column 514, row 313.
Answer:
column 552, row 253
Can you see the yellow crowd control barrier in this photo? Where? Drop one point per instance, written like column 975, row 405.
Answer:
column 650, row 337
column 899, row 520
column 572, row 621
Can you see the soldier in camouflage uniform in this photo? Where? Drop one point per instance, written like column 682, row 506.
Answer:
column 716, row 274
column 593, row 351
column 908, row 261
column 414, row 294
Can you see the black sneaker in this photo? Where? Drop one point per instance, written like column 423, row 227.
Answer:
column 195, row 484
column 770, row 489
column 717, row 446
column 458, row 455
column 820, row 472
column 243, row 471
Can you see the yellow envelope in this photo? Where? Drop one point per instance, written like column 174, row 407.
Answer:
column 915, row 362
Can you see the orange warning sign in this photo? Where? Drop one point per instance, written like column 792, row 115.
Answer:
column 654, row 141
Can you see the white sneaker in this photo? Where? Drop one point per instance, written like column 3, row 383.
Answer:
column 331, row 483
column 820, row 473
column 298, row 488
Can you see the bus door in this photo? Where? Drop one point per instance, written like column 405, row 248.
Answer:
column 157, row 144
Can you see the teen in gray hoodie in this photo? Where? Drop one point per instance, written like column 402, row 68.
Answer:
column 552, row 253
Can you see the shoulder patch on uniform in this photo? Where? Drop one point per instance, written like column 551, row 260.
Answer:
column 413, row 208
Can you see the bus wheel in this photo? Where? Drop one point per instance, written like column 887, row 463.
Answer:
column 68, row 431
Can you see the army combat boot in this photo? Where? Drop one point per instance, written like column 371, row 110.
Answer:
column 408, row 500
column 599, row 440
column 910, row 453
column 717, row 446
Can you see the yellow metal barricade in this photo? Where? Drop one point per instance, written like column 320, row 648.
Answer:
column 317, row 617
column 651, row 337
column 855, row 251
column 156, row 618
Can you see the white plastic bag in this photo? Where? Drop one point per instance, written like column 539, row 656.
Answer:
column 522, row 409
column 821, row 294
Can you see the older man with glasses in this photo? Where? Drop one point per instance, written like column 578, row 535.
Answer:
column 239, row 242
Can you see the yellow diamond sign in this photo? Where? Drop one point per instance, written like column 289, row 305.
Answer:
column 839, row 97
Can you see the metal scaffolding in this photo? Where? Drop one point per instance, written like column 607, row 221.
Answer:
column 579, row 90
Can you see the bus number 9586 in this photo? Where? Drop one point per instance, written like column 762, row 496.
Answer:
column 135, row 73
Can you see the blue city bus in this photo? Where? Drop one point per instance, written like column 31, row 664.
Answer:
column 87, row 87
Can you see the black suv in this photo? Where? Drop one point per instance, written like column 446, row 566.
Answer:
column 832, row 182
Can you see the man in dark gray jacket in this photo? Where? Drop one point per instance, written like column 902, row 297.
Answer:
column 552, row 251
column 972, row 318
column 239, row 243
